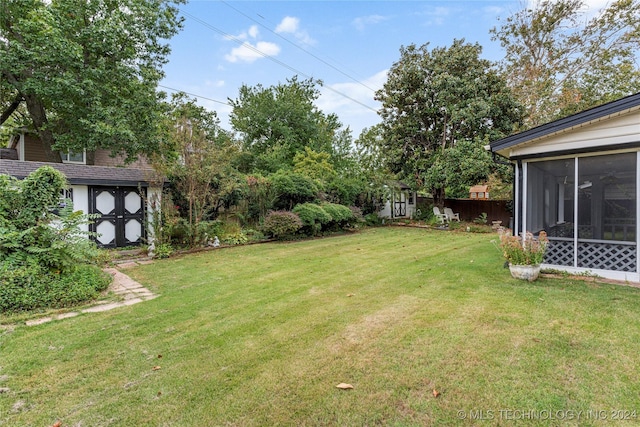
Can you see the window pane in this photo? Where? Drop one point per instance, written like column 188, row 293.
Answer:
column 607, row 197
column 550, row 197
column 76, row 157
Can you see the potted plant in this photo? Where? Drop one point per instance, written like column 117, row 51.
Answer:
column 524, row 254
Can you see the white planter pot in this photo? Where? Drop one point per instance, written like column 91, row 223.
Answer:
column 525, row 272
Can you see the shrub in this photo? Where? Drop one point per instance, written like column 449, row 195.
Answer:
column 30, row 287
column 292, row 189
column 44, row 256
column 313, row 217
column 340, row 214
column 281, row 224
column 373, row 220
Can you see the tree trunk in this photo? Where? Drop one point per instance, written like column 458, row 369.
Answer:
column 438, row 197
column 10, row 110
column 39, row 118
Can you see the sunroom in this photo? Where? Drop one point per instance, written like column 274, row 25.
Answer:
column 577, row 179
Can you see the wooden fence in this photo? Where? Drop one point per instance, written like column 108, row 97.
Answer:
column 469, row 209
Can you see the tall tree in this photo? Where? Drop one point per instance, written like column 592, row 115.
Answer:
column 197, row 155
column 558, row 61
column 279, row 121
column 86, row 71
column 432, row 101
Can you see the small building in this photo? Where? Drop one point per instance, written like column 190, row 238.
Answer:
column 401, row 202
column 124, row 197
column 479, row 192
column 577, row 178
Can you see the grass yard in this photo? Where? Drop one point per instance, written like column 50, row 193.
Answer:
column 261, row 335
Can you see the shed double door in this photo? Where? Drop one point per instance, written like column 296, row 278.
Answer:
column 121, row 210
column 400, row 205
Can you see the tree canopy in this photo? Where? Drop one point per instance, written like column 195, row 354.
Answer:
column 279, row 121
column 433, row 101
column 86, row 72
column 558, row 61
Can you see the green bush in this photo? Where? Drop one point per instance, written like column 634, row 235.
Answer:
column 292, row 188
column 340, row 215
column 281, row 224
column 345, row 191
column 313, row 217
column 30, row 287
column 373, row 220
column 45, row 258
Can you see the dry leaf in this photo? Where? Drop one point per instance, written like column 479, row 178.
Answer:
column 159, row 356
column 57, row 424
column 350, row 295
column 155, row 368
column 436, row 393
column 344, row 386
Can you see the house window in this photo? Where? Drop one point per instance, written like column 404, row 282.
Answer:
column 410, row 198
column 74, row 157
column 66, row 197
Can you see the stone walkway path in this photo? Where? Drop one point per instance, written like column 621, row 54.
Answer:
column 131, row 292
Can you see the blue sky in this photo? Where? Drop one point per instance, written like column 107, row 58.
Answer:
column 349, row 45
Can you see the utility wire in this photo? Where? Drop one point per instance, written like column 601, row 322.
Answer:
column 299, row 47
column 197, row 96
column 277, row 61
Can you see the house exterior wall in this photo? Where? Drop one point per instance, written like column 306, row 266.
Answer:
column 30, row 149
column 101, row 171
column 607, row 132
column 81, row 201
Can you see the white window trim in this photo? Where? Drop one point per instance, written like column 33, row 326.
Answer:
column 68, row 153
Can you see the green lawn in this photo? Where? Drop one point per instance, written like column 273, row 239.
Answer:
column 261, row 335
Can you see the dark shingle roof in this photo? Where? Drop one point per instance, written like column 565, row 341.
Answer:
column 85, row 174
column 567, row 122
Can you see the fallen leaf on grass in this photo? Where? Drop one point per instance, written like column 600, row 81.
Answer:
column 57, row 424
column 436, row 393
column 344, row 386
column 155, row 368
column 350, row 295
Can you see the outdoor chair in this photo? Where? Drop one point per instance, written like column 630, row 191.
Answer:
column 442, row 217
column 450, row 215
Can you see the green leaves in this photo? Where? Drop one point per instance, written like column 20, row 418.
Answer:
column 87, row 71
column 31, row 233
column 280, row 121
column 560, row 61
column 434, row 103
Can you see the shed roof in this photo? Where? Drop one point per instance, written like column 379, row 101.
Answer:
column 593, row 114
column 85, row 174
column 478, row 189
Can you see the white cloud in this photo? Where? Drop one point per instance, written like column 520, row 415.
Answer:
column 253, row 31
column 363, row 21
column 249, row 53
column 289, row 24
